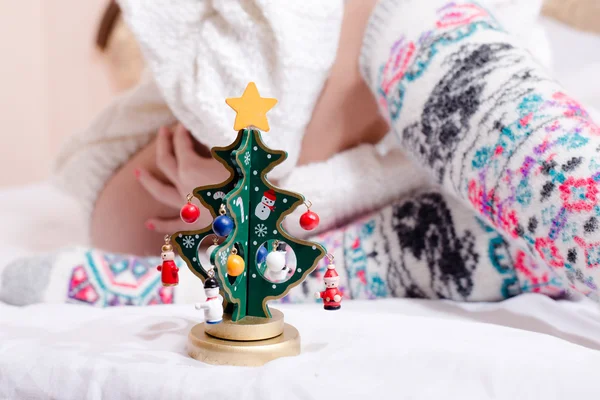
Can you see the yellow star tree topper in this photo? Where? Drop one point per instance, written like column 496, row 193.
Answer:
column 251, row 109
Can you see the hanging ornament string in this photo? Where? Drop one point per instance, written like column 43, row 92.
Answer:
column 167, row 246
column 330, row 258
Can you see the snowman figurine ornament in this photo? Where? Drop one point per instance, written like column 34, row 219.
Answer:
column 266, row 205
column 277, row 269
column 213, row 306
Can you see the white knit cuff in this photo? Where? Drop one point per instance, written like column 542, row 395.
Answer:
column 350, row 184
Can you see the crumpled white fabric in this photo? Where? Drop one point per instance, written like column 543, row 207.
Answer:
column 201, row 52
column 397, row 349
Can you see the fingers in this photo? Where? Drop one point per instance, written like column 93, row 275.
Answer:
column 186, row 155
column 165, row 158
column 169, row 226
column 162, row 192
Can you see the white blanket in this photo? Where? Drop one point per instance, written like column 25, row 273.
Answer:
column 529, row 347
column 394, row 349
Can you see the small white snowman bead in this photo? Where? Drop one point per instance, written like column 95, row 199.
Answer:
column 276, row 266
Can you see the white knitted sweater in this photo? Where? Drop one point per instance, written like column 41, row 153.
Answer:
column 201, row 52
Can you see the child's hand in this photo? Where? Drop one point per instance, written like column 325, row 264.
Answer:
column 185, row 169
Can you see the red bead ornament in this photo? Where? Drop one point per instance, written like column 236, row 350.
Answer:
column 190, row 212
column 309, row 220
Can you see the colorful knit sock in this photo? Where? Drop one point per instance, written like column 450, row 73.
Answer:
column 473, row 108
column 428, row 246
column 92, row 277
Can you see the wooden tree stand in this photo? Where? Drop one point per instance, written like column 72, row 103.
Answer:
column 253, row 341
column 250, row 333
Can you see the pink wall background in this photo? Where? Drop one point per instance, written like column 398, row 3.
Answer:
column 52, row 81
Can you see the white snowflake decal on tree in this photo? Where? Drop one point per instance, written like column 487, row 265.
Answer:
column 223, row 257
column 247, row 158
column 260, row 230
column 188, row 242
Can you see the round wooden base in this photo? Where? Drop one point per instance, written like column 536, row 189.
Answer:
column 247, row 329
column 211, row 350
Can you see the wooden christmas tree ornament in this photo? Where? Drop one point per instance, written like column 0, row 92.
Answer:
column 251, row 333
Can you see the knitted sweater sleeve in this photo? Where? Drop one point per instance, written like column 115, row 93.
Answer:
column 353, row 183
column 472, row 107
column 202, row 52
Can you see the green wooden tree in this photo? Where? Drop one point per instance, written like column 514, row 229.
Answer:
column 249, row 161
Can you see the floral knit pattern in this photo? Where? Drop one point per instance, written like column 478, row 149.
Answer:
column 500, row 135
column 108, row 280
column 428, row 245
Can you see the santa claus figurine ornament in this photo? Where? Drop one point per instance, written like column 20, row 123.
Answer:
column 168, row 269
column 332, row 296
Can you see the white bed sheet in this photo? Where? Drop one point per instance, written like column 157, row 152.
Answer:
column 396, row 348
column 529, row 347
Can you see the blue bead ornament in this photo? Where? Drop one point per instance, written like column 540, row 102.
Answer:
column 261, row 254
column 222, row 225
